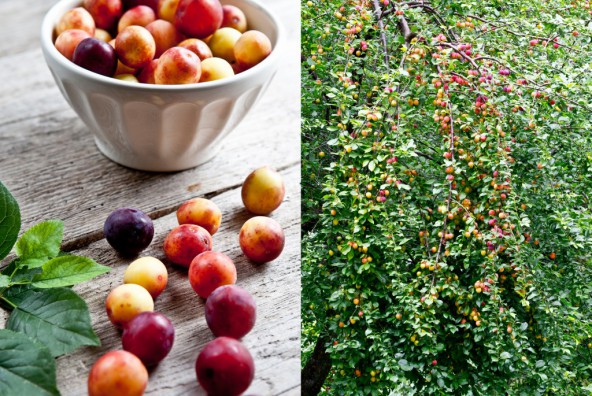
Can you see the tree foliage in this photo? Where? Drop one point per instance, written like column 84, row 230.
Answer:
column 447, row 173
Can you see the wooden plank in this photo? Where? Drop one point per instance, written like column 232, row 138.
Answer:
column 275, row 340
column 20, row 24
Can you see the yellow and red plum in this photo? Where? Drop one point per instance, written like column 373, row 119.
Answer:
column 140, row 15
column 197, row 46
column 135, row 46
column 210, row 270
column 103, row 35
column 215, row 69
column 263, row 191
column 222, row 43
column 76, row 18
column 126, row 301
column 146, row 74
column 148, row 272
column 67, row 41
column 201, row 212
column 165, row 35
column 261, row 239
column 117, row 373
column 104, row 12
column 234, row 17
column 251, row 48
column 167, row 9
column 177, row 65
column 185, row 242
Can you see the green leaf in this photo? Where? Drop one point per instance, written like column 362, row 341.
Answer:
column 26, row 367
column 58, row 318
column 40, row 243
column 4, row 281
column 17, row 294
column 405, row 366
column 10, row 221
column 67, row 271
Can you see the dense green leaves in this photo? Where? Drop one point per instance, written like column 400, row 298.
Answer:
column 10, row 221
column 26, row 367
column 57, row 318
column 447, row 245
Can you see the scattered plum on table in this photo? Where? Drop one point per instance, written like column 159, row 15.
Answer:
column 251, row 48
column 135, row 46
column 95, row 55
column 210, row 270
column 234, row 17
column 128, row 230
column 230, row 311
column 117, row 373
column 185, row 242
column 201, row 212
column 198, row 18
column 225, row 367
column 76, row 18
column 215, row 69
column 261, row 239
column 148, row 272
column 149, row 336
column 263, row 191
column 126, row 301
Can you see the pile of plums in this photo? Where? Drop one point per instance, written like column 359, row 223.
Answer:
column 230, row 310
column 160, row 41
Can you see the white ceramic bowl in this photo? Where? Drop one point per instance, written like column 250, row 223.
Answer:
column 161, row 127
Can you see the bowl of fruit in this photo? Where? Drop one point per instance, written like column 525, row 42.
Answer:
column 161, row 83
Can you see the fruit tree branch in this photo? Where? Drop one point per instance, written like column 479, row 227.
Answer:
column 378, row 12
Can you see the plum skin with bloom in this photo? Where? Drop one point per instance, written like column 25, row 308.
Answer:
column 185, row 242
column 149, row 336
column 225, row 367
column 210, row 270
column 230, row 311
column 261, row 239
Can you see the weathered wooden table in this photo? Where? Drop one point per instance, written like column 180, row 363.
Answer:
column 50, row 163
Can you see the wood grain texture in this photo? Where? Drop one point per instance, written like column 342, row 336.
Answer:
column 49, row 161
column 274, row 342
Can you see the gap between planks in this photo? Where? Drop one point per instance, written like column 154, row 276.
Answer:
column 94, row 236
